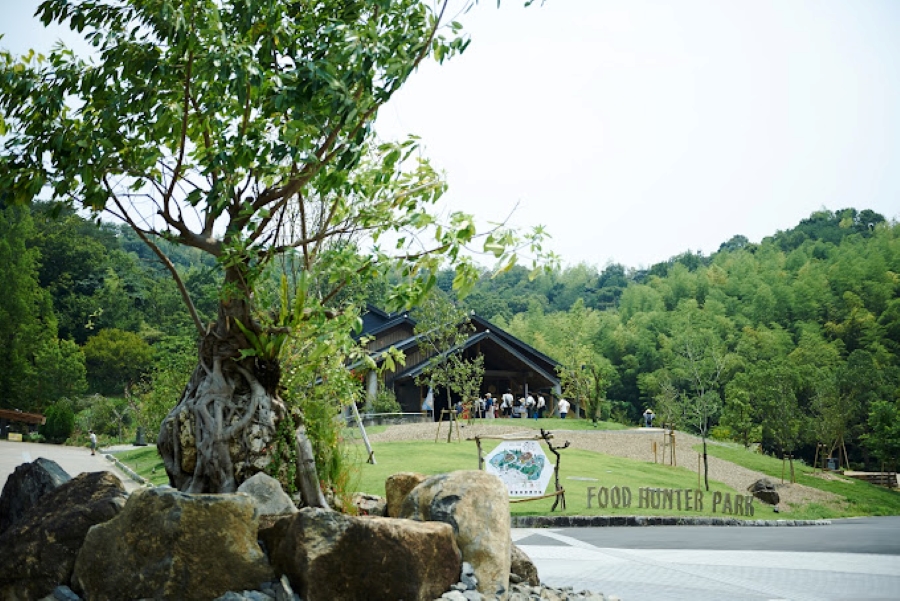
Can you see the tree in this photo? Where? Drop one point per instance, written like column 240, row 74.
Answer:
column 115, row 361
column 883, row 437
column 27, row 322
column 242, row 129
column 698, row 364
column 444, row 329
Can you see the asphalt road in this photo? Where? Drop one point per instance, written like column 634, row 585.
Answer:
column 855, row 559
column 879, row 535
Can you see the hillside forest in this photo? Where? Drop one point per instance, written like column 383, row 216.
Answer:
column 785, row 344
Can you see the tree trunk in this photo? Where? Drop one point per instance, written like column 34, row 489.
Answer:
column 223, row 430
column 705, row 465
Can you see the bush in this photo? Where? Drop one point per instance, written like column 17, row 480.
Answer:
column 386, row 402
column 60, row 421
column 33, row 437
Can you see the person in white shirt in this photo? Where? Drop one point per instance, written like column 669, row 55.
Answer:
column 506, row 406
column 563, row 407
column 541, row 404
column 529, row 405
column 93, row 442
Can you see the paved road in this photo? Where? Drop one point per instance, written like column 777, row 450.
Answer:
column 74, row 460
column 851, row 559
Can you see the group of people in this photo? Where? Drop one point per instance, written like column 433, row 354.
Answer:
column 525, row 407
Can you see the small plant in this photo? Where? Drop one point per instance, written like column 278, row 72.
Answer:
column 386, row 402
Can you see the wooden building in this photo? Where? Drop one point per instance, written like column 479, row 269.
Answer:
column 509, row 363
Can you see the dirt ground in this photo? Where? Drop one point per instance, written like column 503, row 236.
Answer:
column 633, row 444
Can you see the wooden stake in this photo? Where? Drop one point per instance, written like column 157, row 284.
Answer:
column 365, row 438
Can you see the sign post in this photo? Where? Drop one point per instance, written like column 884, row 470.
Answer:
column 521, row 463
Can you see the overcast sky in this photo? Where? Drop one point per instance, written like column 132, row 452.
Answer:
column 636, row 130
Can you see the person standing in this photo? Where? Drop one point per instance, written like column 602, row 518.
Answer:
column 507, row 403
column 489, row 406
column 563, row 407
column 541, row 405
column 93, row 442
column 648, row 418
column 530, row 405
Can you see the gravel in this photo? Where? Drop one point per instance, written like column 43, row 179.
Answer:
column 633, row 444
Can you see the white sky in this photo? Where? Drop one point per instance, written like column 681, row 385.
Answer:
column 635, row 130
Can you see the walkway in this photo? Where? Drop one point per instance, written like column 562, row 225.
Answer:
column 74, row 460
column 650, row 574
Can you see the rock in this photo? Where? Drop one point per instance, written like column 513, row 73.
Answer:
column 396, row 487
column 328, row 555
column 370, row 504
column 468, row 577
column 764, row 490
column 522, row 566
column 62, row 593
column 171, row 545
column 25, row 487
column 245, row 596
column 268, row 495
column 476, row 504
column 38, row 552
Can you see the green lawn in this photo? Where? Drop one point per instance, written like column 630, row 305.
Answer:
column 861, row 498
column 578, row 471
column 147, row 463
column 553, row 423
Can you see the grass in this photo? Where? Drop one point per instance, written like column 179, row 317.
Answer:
column 860, row 498
column 578, row 471
column 553, row 423
column 147, row 463
column 582, row 469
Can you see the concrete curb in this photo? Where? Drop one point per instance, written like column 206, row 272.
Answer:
column 601, row 521
column 128, row 471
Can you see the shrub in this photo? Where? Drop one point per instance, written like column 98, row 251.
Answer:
column 60, row 421
column 386, row 402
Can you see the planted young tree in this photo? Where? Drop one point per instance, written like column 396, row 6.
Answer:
column 243, row 129
column 444, row 329
column 698, row 360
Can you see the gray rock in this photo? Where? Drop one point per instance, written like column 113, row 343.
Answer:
column 522, row 567
column 454, row 596
column 764, row 490
column 268, row 495
column 38, row 552
column 62, row 593
column 245, row 596
column 370, row 504
column 172, row 545
column 26, row 486
column 468, row 577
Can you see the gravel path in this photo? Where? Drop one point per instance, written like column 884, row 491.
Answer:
column 633, row 444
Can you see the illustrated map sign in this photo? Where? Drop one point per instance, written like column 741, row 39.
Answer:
column 522, row 465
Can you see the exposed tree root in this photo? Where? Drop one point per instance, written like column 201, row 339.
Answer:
column 223, row 431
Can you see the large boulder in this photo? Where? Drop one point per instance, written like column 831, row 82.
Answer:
column 329, row 555
column 39, row 551
column 268, row 495
column 764, row 490
column 476, row 504
column 172, row 545
column 522, row 566
column 25, row 487
column 396, row 487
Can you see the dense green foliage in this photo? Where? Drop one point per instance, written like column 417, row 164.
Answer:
column 789, row 342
